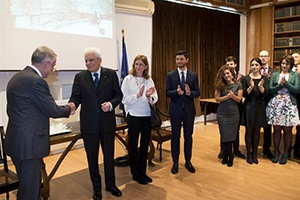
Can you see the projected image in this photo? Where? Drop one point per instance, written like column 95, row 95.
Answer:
column 92, row 17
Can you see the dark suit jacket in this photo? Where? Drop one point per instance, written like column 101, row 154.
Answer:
column 293, row 85
column 85, row 93
column 267, row 81
column 271, row 70
column 172, row 83
column 29, row 106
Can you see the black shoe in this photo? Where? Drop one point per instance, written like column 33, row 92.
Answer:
column 221, row 154
column 225, row 160
column 254, row 158
column 268, row 154
column 188, row 165
column 97, row 195
column 275, row 159
column 249, row 158
column 239, row 154
column 230, row 161
column 283, row 159
column 114, row 191
column 174, row 169
column 147, row 178
column 140, row 180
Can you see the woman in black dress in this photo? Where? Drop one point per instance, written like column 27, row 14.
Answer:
column 254, row 115
column 229, row 93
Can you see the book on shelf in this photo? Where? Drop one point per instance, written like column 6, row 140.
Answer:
column 287, row 11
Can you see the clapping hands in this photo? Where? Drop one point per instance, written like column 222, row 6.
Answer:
column 261, row 83
column 150, row 91
column 138, row 95
column 230, row 94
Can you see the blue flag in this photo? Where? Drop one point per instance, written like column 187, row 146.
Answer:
column 124, row 66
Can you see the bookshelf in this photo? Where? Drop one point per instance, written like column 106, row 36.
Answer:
column 286, row 31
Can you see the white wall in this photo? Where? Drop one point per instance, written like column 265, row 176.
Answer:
column 138, row 38
column 138, row 35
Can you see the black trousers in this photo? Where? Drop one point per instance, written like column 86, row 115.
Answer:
column 188, row 129
column 138, row 128
column 297, row 140
column 267, row 137
column 91, row 144
column 267, row 131
column 29, row 176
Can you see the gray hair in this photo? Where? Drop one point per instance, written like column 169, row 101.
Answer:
column 94, row 50
column 41, row 53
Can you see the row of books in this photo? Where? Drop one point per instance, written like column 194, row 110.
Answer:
column 287, row 26
column 287, row 11
column 287, row 41
column 279, row 53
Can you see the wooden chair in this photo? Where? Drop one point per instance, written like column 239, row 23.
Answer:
column 8, row 179
column 161, row 134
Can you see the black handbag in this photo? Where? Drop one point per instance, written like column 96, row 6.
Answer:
column 155, row 118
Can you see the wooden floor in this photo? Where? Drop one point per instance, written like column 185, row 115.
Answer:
column 212, row 180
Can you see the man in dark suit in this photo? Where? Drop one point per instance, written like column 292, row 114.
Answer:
column 97, row 90
column 266, row 70
column 182, row 87
column 296, row 67
column 29, row 107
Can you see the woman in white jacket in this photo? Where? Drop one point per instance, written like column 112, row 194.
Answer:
column 139, row 90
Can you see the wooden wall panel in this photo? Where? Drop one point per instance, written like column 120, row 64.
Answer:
column 209, row 36
column 259, row 33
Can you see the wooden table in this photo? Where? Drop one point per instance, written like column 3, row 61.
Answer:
column 71, row 137
column 204, row 103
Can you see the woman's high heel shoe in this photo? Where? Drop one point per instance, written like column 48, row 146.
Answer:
column 284, row 159
column 254, row 158
column 225, row 159
column 230, row 160
column 276, row 157
column 249, row 158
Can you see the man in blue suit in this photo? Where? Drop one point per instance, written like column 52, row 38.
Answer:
column 182, row 87
column 29, row 106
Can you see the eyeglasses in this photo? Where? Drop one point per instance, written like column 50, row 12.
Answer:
column 263, row 56
column 52, row 64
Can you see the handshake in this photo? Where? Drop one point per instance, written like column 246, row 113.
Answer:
column 73, row 108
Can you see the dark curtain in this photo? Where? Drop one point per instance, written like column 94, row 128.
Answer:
column 209, row 36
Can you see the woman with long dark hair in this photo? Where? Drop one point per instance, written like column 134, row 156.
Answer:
column 255, row 89
column 228, row 93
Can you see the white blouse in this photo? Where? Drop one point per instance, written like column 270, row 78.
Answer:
column 131, row 87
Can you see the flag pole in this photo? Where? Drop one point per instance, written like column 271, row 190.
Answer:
column 124, row 65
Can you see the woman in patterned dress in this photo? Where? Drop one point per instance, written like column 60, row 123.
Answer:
column 282, row 110
column 229, row 93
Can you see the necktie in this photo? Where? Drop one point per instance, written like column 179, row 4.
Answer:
column 264, row 70
column 96, row 80
column 182, row 81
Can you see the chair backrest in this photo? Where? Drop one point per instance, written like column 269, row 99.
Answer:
column 162, row 113
column 8, row 179
column 3, row 157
